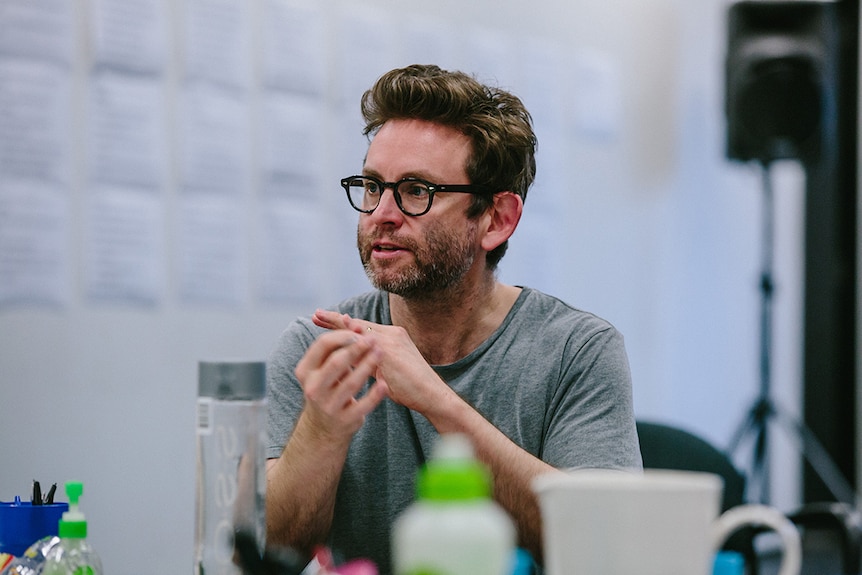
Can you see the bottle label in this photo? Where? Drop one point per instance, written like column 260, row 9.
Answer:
column 84, row 570
column 205, row 416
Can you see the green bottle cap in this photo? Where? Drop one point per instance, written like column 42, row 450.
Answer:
column 453, row 473
column 73, row 524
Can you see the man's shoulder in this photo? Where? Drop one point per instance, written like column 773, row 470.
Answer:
column 551, row 310
column 372, row 306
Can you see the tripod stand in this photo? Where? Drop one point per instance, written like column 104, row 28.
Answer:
column 764, row 408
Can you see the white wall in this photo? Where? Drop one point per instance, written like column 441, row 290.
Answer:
column 636, row 216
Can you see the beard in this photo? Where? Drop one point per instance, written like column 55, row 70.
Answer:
column 440, row 263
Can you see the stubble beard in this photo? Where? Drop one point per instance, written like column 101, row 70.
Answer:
column 439, row 265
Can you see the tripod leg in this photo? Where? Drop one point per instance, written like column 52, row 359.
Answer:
column 748, row 424
column 756, row 424
column 760, row 467
column 819, row 459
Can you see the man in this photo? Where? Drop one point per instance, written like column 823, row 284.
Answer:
column 359, row 394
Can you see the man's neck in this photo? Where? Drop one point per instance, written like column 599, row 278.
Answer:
column 448, row 326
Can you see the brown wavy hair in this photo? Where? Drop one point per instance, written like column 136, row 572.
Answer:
column 496, row 121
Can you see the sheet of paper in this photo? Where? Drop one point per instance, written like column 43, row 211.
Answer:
column 529, row 260
column 213, row 140
column 545, row 84
column 34, row 244
column 552, row 187
column 348, row 276
column 36, row 120
column 489, row 56
column 365, row 51
column 291, row 57
column 211, row 246
column 292, row 144
column 217, row 42
column 124, row 248
column 429, row 40
column 598, row 110
column 130, row 35
column 38, row 29
column 289, row 266
column 348, row 151
column 128, row 140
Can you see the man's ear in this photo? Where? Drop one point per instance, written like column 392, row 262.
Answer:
column 502, row 219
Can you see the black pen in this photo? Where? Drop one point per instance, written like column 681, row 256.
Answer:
column 49, row 499
column 37, row 493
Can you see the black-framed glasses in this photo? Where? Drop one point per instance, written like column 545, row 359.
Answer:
column 413, row 196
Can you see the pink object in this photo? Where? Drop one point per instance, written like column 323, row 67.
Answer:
column 357, row 567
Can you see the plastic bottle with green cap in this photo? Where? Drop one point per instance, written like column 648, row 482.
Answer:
column 73, row 555
column 454, row 527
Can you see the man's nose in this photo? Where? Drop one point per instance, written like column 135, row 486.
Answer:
column 387, row 209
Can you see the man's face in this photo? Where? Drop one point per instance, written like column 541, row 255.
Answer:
column 415, row 256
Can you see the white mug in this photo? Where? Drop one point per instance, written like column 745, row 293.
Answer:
column 656, row 523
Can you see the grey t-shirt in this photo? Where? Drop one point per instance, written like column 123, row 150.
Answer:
column 554, row 379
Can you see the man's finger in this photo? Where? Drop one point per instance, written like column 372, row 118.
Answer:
column 329, row 319
column 322, row 348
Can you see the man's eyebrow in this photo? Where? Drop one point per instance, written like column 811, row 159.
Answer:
column 419, row 175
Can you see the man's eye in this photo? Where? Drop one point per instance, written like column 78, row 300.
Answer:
column 417, row 190
column 371, row 188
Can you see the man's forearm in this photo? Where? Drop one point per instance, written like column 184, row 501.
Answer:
column 513, row 469
column 300, row 492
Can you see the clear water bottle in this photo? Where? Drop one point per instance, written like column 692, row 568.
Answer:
column 454, row 527
column 33, row 560
column 231, row 482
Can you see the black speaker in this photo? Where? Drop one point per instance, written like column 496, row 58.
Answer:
column 780, row 76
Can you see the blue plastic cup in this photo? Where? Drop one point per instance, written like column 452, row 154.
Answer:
column 22, row 524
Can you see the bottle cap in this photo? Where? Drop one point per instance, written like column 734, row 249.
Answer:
column 728, row 563
column 73, row 524
column 232, row 379
column 453, row 473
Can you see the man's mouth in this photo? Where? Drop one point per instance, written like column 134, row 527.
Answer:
column 387, row 248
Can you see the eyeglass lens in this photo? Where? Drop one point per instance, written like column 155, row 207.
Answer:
column 413, row 197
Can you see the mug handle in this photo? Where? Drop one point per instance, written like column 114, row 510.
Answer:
column 762, row 516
